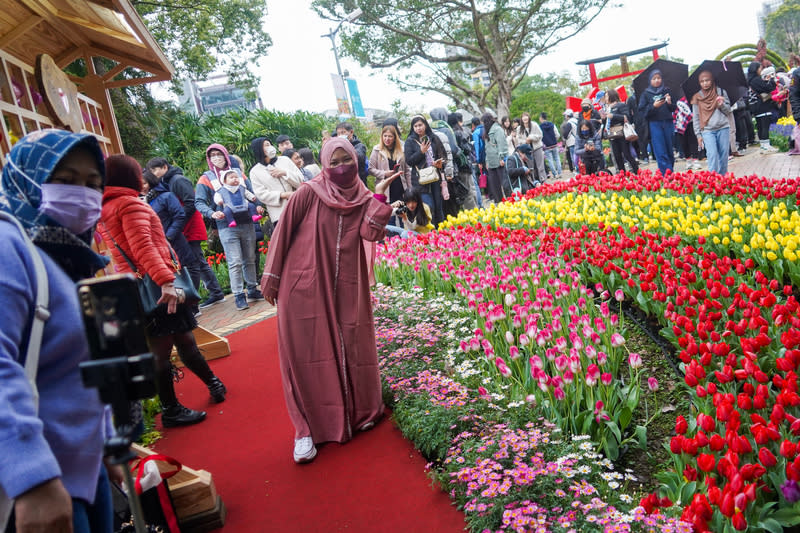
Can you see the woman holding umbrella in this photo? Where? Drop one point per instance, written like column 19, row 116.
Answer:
column 657, row 107
column 711, row 109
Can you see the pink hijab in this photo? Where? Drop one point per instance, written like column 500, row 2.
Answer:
column 339, row 198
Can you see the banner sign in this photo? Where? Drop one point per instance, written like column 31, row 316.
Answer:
column 355, row 97
column 341, row 95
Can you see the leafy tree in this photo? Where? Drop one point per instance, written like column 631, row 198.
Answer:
column 538, row 101
column 562, row 83
column 783, row 28
column 438, row 45
column 203, row 36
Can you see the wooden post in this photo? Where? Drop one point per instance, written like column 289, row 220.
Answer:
column 94, row 87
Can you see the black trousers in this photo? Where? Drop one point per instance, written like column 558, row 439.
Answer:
column 622, row 153
column 200, row 271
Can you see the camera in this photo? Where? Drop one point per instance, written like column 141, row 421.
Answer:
column 402, row 210
column 121, row 364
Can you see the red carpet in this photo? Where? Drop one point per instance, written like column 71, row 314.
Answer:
column 374, row 483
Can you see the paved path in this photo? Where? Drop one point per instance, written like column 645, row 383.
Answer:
column 223, row 318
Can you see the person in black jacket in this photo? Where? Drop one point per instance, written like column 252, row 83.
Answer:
column 345, row 129
column 617, row 115
column 422, row 149
column 519, row 173
column 764, row 109
column 657, row 106
column 192, row 227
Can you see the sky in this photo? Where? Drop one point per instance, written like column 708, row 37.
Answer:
column 295, row 73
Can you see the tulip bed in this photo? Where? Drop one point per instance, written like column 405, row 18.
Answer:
column 713, row 260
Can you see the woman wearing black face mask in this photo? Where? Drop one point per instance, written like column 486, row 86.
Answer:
column 316, row 267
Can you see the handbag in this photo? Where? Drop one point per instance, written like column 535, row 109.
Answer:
column 428, row 175
column 630, row 132
column 615, row 132
column 445, row 191
column 150, row 291
column 40, row 316
column 483, row 181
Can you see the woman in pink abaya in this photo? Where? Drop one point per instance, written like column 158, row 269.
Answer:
column 317, row 268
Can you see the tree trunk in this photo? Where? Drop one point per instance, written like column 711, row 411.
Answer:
column 503, row 97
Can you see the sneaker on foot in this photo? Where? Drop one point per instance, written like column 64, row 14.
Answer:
column 178, row 415
column 254, row 294
column 304, row 450
column 211, row 300
column 241, row 302
column 217, row 390
column 769, row 148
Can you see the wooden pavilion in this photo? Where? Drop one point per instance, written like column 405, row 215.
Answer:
column 39, row 38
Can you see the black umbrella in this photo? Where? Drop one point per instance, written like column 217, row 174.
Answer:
column 672, row 75
column 728, row 75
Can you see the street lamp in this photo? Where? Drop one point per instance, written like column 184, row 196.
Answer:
column 350, row 17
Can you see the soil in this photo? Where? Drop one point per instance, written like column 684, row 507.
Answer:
column 671, row 397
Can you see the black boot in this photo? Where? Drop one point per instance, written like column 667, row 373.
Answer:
column 217, row 390
column 177, row 415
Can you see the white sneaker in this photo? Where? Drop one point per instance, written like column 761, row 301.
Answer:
column 304, row 450
column 768, row 148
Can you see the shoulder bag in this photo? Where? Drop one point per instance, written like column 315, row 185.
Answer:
column 428, row 175
column 615, row 132
column 150, row 291
column 630, row 132
column 40, row 316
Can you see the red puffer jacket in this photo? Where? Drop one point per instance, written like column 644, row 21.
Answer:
column 137, row 230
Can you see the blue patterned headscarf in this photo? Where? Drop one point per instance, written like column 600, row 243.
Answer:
column 29, row 164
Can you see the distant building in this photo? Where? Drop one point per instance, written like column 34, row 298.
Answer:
column 215, row 96
column 482, row 76
column 767, row 7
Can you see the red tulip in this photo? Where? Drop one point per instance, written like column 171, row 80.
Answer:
column 788, row 449
column 767, row 458
column 706, row 462
column 739, row 522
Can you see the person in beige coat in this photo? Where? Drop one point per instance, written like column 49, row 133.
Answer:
column 530, row 133
column 274, row 178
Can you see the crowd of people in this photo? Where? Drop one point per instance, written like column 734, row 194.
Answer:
column 58, row 190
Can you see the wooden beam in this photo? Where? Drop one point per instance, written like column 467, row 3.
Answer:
column 137, row 25
column 114, row 34
column 152, row 68
column 20, row 30
column 67, row 57
column 136, row 81
column 65, row 30
column 111, row 74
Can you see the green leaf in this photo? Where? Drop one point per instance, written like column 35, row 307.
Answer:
column 625, row 417
column 687, row 492
column 788, row 516
column 641, row 434
column 611, row 449
column 611, row 425
column 642, row 301
column 771, row 525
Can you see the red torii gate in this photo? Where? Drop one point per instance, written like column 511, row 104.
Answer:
column 574, row 103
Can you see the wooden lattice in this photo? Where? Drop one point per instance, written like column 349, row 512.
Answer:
column 23, row 110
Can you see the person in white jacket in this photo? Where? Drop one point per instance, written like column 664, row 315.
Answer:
column 274, row 177
column 530, row 133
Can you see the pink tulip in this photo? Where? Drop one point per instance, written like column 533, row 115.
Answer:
column 619, row 295
column 524, row 340
column 569, row 377
column 590, row 351
column 602, row 358
column 606, row 378
column 531, row 399
column 652, row 384
column 593, row 371
column 509, row 337
column 513, row 352
column 558, row 393
column 536, row 362
column 483, row 392
column 635, row 360
column 561, row 363
column 617, row 340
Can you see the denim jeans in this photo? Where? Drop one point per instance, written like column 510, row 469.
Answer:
column 661, row 132
column 97, row 517
column 433, row 199
column 717, row 144
column 551, row 154
column 239, row 244
column 397, row 231
column 200, row 271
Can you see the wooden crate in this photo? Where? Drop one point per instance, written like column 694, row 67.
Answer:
column 194, row 494
column 211, row 346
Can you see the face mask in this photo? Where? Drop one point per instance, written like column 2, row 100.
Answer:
column 343, row 175
column 586, row 108
column 218, row 161
column 270, row 152
column 75, row 207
